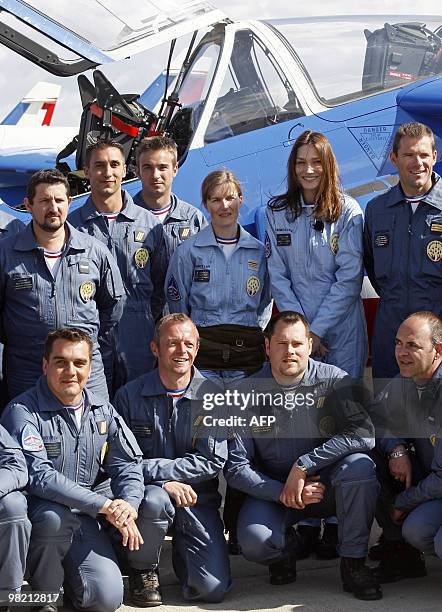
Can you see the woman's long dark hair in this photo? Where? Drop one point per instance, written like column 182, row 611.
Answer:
column 329, row 197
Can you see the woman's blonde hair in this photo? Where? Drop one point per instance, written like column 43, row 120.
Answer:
column 217, row 179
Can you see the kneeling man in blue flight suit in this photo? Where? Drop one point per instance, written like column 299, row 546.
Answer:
column 301, row 452
column 15, row 528
column 408, row 420
column 71, row 440
column 181, row 462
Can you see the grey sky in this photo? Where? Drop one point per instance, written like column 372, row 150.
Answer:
column 17, row 75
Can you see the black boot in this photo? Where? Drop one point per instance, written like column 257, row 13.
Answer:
column 307, row 538
column 358, row 579
column 379, row 550
column 400, row 560
column 144, row 588
column 283, row 572
column 233, row 545
column 326, row 547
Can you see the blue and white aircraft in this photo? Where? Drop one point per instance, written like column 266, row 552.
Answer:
column 246, row 90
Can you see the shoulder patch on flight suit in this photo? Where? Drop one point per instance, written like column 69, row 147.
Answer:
column 87, row 290
column 201, row 275
column 267, row 246
column 334, row 243
column 253, row 285
column 141, row 257
column 381, row 239
column 434, row 250
column 31, row 441
column 20, row 283
column 184, row 233
column 283, row 239
column 139, row 235
column 173, row 293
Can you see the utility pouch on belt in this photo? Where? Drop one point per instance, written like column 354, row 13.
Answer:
column 231, row 347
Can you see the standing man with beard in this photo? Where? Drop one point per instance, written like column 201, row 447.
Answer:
column 53, row 276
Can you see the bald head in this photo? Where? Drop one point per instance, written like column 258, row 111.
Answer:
column 419, row 346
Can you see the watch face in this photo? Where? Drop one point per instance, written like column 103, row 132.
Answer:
column 301, row 466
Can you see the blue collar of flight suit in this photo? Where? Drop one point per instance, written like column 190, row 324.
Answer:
column 206, row 237
column 433, row 198
column 153, row 386
column 129, row 210
column 26, row 239
column 48, row 402
column 177, row 212
column 431, row 385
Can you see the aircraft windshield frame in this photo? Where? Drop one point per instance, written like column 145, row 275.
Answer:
column 125, row 28
column 332, row 53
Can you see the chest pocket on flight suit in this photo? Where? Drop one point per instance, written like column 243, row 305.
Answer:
column 205, row 282
column 99, row 429
column 54, row 450
column 26, row 288
column 323, row 247
column 180, row 231
column 82, row 279
column 138, row 254
column 143, row 432
column 382, row 244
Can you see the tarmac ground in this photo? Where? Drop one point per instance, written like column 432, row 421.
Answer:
column 317, row 589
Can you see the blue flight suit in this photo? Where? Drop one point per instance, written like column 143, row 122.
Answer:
column 9, row 226
column 85, row 293
column 15, row 528
column 136, row 241
column 319, row 273
column 65, row 465
column 422, row 527
column 403, row 259
column 182, row 221
column 404, row 415
column 327, row 428
column 177, row 447
column 212, row 290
